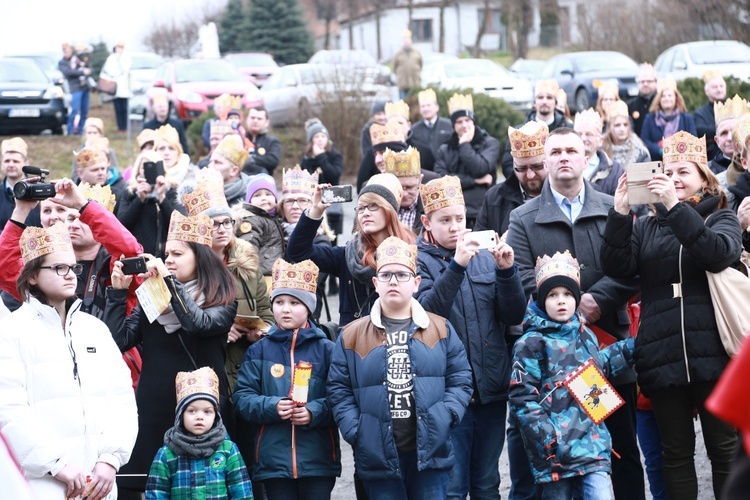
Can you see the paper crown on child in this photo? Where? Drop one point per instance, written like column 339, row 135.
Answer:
column 232, row 148
column 561, row 269
column 37, row 241
column 146, row 135
column 88, row 157
column 15, row 145
column 588, row 118
column 169, row 134
column 398, row 108
column 710, row 74
column 427, row 95
column 546, row 87
column 103, row 195
column 440, row 193
column 383, row 134
column 228, row 102
column 528, row 140
column 207, row 196
column 683, row 146
column 393, row 250
column 298, row 280
column 191, row 229
column 403, row 163
column 619, row 108
column 220, row 127
column 296, row 181
column 202, row 383
column 666, row 84
column 733, row 109
column 97, row 123
column 387, row 186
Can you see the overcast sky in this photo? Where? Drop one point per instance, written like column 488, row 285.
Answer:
column 42, row 25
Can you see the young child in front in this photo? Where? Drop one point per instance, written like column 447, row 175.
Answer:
column 399, row 382
column 281, row 390
column 568, row 452
column 197, row 459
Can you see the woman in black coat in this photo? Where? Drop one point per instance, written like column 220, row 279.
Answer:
column 679, row 355
column 189, row 334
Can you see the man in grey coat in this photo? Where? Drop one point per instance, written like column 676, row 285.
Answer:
column 570, row 214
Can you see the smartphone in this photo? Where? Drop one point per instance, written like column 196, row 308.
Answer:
column 134, row 265
column 639, row 175
column 152, row 170
column 485, row 239
column 337, row 194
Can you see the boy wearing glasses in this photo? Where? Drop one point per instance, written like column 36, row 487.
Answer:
column 480, row 292
column 398, row 382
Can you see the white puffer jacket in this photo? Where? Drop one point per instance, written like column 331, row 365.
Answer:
column 66, row 395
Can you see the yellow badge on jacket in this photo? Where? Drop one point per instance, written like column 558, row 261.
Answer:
column 277, row 370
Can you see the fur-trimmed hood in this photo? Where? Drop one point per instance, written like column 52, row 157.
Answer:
column 243, row 260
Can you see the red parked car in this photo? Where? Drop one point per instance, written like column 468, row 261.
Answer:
column 193, row 84
column 256, row 66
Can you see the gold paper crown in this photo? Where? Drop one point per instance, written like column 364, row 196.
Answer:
column 683, row 146
column 301, row 276
column 398, row 108
column 460, row 102
column 169, row 134
column 427, row 95
column 103, row 195
column 440, row 193
column 546, row 87
column 37, row 241
column 15, row 145
column 207, row 194
column 201, row 381
column 529, row 140
column 710, row 74
column 298, row 181
column 619, row 108
column 560, row 264
column 97, row 123
column 403, row 163
column 732, row 109
column 220, row 127
column 146, row 135
column 232, row 148
column 646, row 69
column 396, row 251
column 609, row 86
column 228, row 102
column 665, row 84
column 101, row 143
column 191, row 229
column 88, row 157
column 742, row 131
column 588, row 118
column 390, row 132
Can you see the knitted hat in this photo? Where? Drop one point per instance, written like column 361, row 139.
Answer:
column 202, row 383
column 314, row 126
column 260, row 181
column 378, row 106
column 298, row 280
column 387, row 186
column 559, row 270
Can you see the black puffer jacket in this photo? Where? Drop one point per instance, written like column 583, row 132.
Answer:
column 668, row 354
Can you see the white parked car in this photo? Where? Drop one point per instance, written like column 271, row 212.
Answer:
column 483, row 77
column 692, row 59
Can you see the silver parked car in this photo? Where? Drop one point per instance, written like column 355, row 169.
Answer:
column 692, row 59
column 142, row 74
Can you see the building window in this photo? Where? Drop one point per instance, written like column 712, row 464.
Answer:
column 492, row 23
column 421, row 30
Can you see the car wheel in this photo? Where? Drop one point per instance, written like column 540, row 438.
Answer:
column 304, row 111
column 583, row 100
column 57, row 130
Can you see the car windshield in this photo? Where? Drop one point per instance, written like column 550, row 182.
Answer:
column 247, row 60
column 206, row 71
column 146, row 61
column 358, row 58
column 474, row 68
column 21, row 71
column 720, row 53
column 605, row 61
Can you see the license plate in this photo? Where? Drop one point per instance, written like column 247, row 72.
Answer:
column 23, row 113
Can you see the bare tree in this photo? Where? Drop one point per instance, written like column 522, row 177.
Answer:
column 351, row 8
column 441, row 39
column 486, row 18
column 520, row 17
column 175, row 37
column 327, row 10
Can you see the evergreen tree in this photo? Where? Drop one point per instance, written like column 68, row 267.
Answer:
column 277, row 27
column 231, row 37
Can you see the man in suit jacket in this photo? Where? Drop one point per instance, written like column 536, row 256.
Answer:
column 432, row 129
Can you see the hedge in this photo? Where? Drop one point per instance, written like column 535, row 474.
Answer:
column 695, row 97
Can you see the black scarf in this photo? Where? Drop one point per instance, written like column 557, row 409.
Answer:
column 182, row 443
column 354, row 253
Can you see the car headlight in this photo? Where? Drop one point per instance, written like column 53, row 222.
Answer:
column 190, row 97
column 53, row 93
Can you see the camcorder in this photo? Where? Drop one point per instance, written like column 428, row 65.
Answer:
column 36, row 190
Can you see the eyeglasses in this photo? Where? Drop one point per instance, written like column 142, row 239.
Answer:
column 226, row 224
column 64, row 269
column 372, row 207
column 522, row 170
column 401, row 276
column 302, row 202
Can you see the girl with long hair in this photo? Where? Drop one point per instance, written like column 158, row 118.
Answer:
column 620, row 142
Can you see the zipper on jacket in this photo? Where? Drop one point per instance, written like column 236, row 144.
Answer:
column 257, row 445
column 678, row 293
column 333, row 443
column 179, row 299
column 158, row 230
column 294, row 433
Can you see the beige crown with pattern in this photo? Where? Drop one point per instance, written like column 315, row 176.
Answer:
column 440, row 193
column 427, row 95
column 733, row 109
column 103, row 195
column 15, row 145
column 37, row 241
column 207, row 194
column 609, row 86
column 547, row 87
column 301, row 276
column 232, row 148
column 88, row 157
column 560, row 264
column 683, row 146
column 528, row 140
column 201, row 381
column 710, row 74
column 619, row 108
column 228, row 102
column 666, row 84
column 460, row 102
column 396, row 251
column 398, row 108
column 403, row 163
column 588, row 118
column 298, row 181
column 390, row 132
column 220, row 127
column 191, row 229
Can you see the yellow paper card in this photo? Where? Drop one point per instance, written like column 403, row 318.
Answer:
column 593, row 392
column 153, row 296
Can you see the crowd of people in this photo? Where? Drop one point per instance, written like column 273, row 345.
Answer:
column 207, row 371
